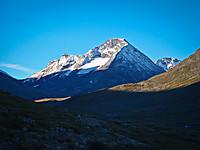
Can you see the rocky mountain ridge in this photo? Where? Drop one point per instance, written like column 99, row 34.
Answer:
column 167, row 63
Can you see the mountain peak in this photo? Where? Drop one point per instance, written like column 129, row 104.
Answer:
column 167, row 63
column 116, row 41
column 112, row 63
column 99, row 58
column 65, row 54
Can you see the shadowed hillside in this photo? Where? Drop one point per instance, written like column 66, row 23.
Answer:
column 175, row 107
column 28, row 125
column 16, row 87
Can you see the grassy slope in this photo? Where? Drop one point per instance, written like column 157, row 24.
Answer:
column 175, row 107
column 166, row 112
column 184, row 74
column 51, row 99
column 28, row 125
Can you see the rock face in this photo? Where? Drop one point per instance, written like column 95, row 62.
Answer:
column 113, row 63
column 167, row 63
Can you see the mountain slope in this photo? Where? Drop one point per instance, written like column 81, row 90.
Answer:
column 26, row 125
column 185, row 73
column 113, row 63
column 16, row 87
column 175, row 107
column 167, row 63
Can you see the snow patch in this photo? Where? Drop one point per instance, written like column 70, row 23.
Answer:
column 66, row 73
column 26, row 80
column 85, row 71
column 36, row 86
column 29, row 79
column 97, row 62
column 55, row 75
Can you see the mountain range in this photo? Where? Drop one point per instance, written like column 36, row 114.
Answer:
column 113, row 63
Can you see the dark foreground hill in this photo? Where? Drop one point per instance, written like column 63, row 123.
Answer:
column 177, row 107
column 28, row 125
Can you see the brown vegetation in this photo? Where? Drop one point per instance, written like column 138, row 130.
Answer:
column 184, row 74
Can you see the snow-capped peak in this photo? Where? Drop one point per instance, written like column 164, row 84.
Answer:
column 167, row 63
column 93, row 59
column 98, row 58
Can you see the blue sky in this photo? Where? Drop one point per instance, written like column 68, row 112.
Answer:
column 34, row 32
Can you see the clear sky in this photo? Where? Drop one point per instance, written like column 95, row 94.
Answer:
column 34, row 32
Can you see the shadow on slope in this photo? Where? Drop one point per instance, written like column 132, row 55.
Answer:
column 174, row 107
column 16, row 87
column 27, row 125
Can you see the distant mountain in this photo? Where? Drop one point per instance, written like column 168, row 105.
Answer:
column 167, row 63
column 16, row 87
column 113, row 63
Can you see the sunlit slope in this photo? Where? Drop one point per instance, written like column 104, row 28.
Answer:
column 184, row 74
